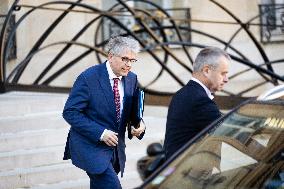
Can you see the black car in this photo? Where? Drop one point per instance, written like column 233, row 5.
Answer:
column 243, row 149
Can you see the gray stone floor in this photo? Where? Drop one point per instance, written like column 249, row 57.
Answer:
column 32, row 139
column 155, row 120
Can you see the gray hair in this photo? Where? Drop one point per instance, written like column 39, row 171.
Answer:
column 118, row 44
column 209, row 56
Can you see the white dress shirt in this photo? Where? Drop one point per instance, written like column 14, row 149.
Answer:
column 120, row 84
column 208, row 92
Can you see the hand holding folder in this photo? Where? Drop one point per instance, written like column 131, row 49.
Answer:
column 137, row 112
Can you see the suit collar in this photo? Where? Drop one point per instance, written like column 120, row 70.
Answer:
column 208, row 92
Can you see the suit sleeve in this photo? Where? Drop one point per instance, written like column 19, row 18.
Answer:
column 74, row 111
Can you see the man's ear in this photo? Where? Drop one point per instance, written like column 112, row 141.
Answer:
column 109, row 56
column 206, row 70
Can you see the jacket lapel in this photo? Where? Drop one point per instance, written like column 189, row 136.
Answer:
column 105, row 84
column 127, row 87
column 127, row 93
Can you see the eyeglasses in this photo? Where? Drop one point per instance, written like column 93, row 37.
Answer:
column 126, row 60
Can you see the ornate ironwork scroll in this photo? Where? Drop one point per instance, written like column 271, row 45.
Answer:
column 158, row 30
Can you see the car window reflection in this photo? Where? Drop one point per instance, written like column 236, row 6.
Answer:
column 244, row 151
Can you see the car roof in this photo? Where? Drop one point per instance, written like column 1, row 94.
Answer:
column 272, row 94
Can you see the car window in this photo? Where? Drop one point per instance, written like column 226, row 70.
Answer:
column 243, row 151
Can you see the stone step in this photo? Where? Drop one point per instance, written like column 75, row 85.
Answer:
column 22, row 103
column 136, row 148
column 57, row 136
column 34, row 157
column 34, row 121
column 25, row 142
column 33, row 139
column 155, row 124
column 26, row 177
column 133, row 153
column 70, row 184
column 31, row 158
column 129, row 181
column 29, row 174
column 30, row 167
column 155, row 111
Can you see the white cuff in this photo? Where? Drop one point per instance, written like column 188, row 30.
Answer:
column 102, row 136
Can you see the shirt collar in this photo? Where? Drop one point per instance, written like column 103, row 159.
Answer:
column 110, row 72
column 208, row 92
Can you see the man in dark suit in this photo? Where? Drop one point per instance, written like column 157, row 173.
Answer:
column 192, row 107
column 99, row 106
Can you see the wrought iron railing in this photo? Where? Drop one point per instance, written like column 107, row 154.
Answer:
column 145, row 23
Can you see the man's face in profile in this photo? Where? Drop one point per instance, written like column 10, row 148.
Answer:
column 218, row 76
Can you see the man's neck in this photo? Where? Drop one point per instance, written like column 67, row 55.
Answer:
column 202, row 81
column 200, row 78
column 110, row 72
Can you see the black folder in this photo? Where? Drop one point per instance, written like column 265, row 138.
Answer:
column 136, row 111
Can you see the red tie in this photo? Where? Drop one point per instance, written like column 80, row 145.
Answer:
column 116, row 98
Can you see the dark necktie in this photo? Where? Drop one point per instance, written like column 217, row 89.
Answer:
column 116, row 98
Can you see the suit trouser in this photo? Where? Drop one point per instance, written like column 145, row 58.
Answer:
column 108, row 179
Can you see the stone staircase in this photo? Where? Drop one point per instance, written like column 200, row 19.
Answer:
column 32, row 139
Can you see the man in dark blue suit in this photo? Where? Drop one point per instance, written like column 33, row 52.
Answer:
column 192, row 107
column 98, row 109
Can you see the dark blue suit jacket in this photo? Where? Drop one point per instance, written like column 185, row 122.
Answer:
column 89, row 110
column 190, row 111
